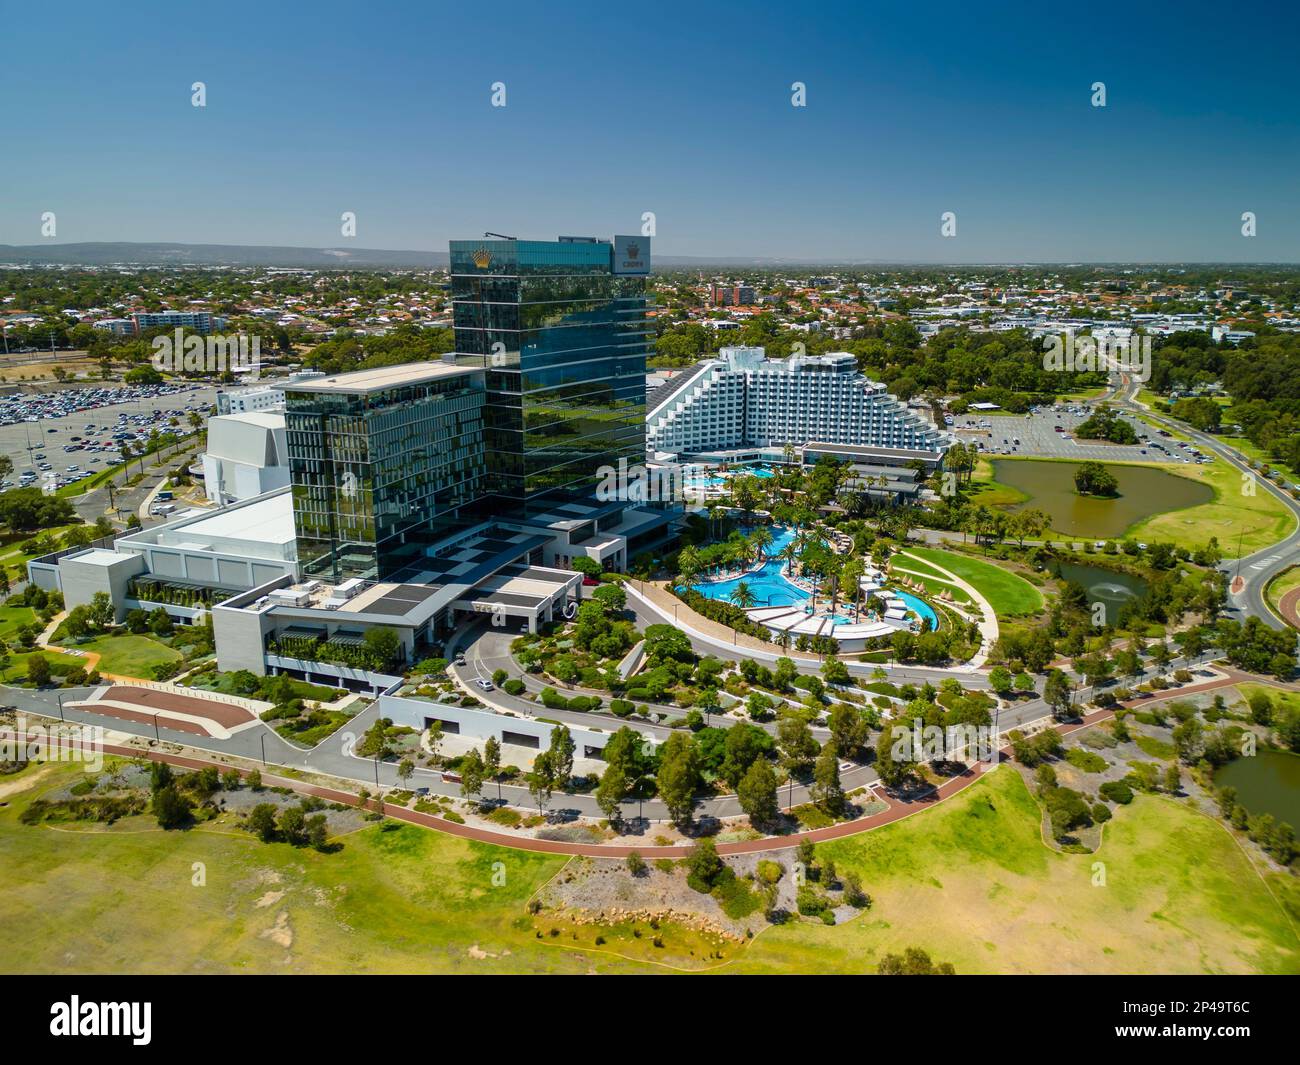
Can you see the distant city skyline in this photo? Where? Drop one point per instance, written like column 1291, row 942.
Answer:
column 685, row 112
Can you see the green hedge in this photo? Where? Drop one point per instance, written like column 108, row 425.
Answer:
column 553, row 700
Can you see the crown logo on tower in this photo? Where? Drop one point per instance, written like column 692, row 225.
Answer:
column 482, row 257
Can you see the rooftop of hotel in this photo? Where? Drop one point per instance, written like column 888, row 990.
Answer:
column 381, row 378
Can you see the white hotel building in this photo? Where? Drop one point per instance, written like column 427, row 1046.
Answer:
column 742, row 399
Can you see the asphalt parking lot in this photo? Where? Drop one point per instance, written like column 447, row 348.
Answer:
column 25, row 441
column 1039, row 438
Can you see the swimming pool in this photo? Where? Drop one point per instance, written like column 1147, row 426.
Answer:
column 770, row 587
column 919, row 607
column 701, row 478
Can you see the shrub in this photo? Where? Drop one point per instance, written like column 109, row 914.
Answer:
column 1116, row 791
column 811, row 903
column 1088, row 761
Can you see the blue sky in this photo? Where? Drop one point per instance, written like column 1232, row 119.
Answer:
column 681, row 109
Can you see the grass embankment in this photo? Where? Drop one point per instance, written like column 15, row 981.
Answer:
column 927, row 576
column 1258, row 520
column 991, row 492
column 16, row 671
column 399, row 899
column 1283, row 699
column 1008, row 594
column 129, row 655
column 971, row 881
column 1280, row 585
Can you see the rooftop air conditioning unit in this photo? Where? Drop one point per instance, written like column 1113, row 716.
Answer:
column 349, row 588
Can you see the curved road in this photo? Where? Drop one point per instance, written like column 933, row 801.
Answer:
column 1258, row 568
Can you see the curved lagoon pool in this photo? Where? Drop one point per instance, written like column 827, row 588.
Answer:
column 770, row 587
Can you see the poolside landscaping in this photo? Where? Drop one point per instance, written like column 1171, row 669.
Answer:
column 1008, row 594
column 780, row 588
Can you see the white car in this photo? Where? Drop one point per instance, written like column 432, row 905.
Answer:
column 486, row 685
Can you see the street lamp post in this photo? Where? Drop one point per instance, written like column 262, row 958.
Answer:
column 61, row 718
column 156, row 735
column 262, row 736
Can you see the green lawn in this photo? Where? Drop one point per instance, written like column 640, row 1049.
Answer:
column 1259, row 520
column 14, row 617
column 408, row 900
column 14, row 558
column 1156, row 748
column 971, row 881
column 934, row 586
column 130, row 655
column 1008, row 594
column 16, row 671
column 1282, row 699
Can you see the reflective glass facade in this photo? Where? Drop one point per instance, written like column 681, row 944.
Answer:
column 378, row 473
column 563, row 341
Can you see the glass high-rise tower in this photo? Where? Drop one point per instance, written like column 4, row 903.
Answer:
column 560, row 329
column 381, row 461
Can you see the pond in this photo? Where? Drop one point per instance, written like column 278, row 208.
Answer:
column 1143, row 491
column 1103, row 586
column 1268, row 783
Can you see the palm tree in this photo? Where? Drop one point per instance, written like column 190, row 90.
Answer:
column 788, row 554
column 688, row 565
column 711, row 509
column 742, row 596
column 834, row 567
column 761, row 538
column 851, row 575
